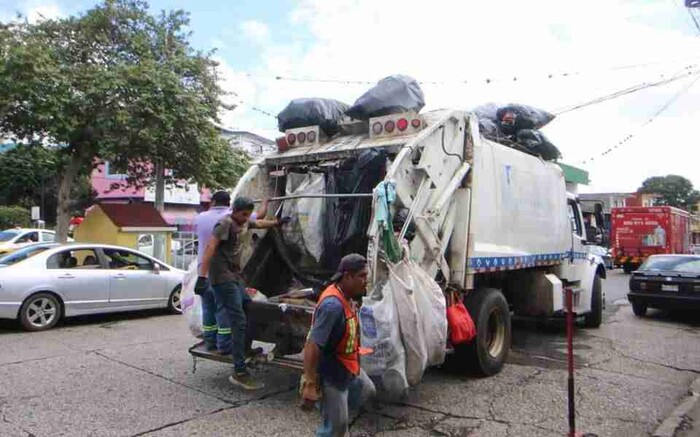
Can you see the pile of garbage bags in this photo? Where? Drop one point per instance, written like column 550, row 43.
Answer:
column 517, row 126
column 392, row 95
column 404, row 323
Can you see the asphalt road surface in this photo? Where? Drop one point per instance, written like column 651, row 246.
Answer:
column 131, row 375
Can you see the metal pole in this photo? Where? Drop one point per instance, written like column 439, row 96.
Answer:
column 317, row 196
column 159, row 239
column 43, row 198
column 570, row 358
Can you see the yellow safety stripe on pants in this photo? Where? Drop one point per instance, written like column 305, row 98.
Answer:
column 209, row 328
column 225, row 331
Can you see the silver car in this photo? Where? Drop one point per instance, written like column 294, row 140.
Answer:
column 41, row 283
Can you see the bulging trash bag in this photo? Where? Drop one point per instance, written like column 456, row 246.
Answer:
column 514, row 117
column 306, row 213
column 326, row 113
column 488, row 120
column 536, row 143
column 404, row 286
column 392, row 95
column 190, row 302
column 432, row 310
column 380, row 332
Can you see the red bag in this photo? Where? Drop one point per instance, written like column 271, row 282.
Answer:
column 460, row 323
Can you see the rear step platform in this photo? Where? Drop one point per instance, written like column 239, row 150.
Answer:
column 199, row 350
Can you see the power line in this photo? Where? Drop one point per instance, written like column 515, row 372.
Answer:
column 482, row 80
column 651, row 119
column 624, row 92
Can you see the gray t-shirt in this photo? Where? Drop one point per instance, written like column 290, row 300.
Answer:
column 225, row 265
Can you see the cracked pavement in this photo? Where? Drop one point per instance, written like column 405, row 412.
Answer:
column 131, row 375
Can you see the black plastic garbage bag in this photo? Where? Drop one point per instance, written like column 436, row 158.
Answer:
column 514, row 117
column 536, row 143
column 347, row 219
column 392, row 95
column 327, row 113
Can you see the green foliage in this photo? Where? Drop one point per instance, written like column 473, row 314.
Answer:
column 11, row 216
column 674, row 191
column 115, row 84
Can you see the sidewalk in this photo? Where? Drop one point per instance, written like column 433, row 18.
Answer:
column 684, row 421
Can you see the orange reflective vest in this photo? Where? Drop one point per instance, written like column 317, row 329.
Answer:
column 348, row 349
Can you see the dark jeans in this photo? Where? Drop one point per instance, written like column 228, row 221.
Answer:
column 231, row 308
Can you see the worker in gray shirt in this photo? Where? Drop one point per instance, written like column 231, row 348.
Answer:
column 221, row 266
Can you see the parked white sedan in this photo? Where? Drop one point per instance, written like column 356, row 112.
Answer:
column 41, row 283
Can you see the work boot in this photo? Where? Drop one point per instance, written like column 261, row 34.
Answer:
column 245, row 379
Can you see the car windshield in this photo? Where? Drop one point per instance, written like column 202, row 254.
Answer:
column 688, row 264
column 7, row 235
column 22, row 254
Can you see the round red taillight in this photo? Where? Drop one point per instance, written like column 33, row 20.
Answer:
column 291, row 139
column 415, row 123
column 402, row 124
column 377, row 128
column 389, row 126
column 301, row 136
column 311, row 136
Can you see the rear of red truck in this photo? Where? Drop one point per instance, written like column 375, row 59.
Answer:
column 638, row 232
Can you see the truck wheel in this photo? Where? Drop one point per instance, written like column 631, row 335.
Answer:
column 595, row 317
column 640, row 309
column 488, row 351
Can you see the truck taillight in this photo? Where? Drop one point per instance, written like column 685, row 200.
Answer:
column 377, row 128
column 291, row 139
column 402, row 124
column 415, row 123
column 301, row 137
column 311, row 136
column 389, row 126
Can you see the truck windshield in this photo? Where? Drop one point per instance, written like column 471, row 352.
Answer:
column 686, row 264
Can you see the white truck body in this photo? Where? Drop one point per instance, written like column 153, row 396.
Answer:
column 487, row 216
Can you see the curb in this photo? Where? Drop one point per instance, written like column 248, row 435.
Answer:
column 678, row 417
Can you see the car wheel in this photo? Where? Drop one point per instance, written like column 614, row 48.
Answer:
column 487, row 352
column 174, row 302
column 640, row 309
column 595, row 317
column 40, row 312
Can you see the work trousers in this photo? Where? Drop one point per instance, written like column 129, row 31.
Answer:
column 337, row 404
column 216, row 332
column 231, row 308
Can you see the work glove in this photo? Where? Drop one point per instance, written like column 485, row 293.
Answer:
column 201, row 286
column 310, row 392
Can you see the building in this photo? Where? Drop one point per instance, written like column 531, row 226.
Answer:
column 181, row 203
column 130, row 225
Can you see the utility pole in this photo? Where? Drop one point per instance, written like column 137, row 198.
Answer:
column 159, row 239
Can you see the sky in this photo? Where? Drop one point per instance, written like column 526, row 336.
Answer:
column 473, row 52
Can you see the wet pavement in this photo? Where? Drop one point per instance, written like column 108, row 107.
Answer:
column 131, row 375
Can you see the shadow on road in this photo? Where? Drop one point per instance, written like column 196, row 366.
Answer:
column 685, row 317
column 104, row 320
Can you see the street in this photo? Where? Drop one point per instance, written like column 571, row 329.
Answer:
column 131, row 375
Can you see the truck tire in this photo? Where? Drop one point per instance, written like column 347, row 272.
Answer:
column 595, row 317
column 487, row 352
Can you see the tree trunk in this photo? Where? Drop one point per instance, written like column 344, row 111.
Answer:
column 63, row 207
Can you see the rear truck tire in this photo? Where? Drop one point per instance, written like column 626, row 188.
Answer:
column 174, row 302
column 40, row 312
column 486, row 354
column 595, row 317
column 640, row 309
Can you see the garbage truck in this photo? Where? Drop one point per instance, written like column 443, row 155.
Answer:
column 489, row 222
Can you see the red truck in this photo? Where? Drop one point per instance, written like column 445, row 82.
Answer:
column 640, row 231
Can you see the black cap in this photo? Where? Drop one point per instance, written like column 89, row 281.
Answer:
column 349, row 263
column 222, row 198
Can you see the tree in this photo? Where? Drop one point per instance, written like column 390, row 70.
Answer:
column 673, row 190
column 115, row 83
column 30, row 173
